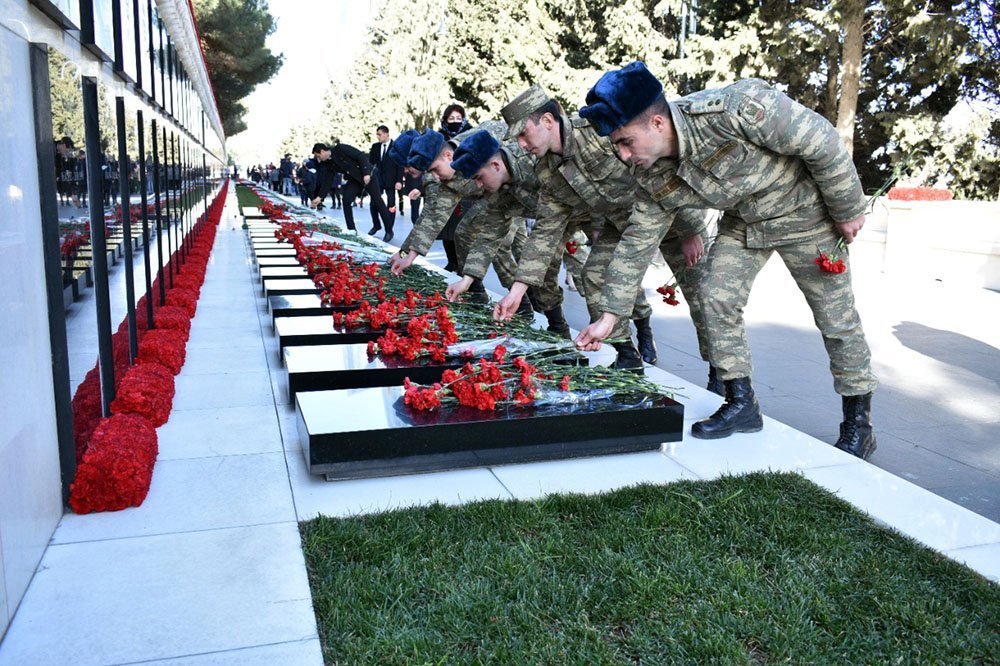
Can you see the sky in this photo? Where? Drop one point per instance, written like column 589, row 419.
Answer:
column 319, row 39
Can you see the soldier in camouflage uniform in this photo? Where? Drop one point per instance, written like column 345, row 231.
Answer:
column 440, row 200
column 582, row 177
column 786, row 184
column 506, row 176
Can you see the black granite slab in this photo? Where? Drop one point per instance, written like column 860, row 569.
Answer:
column 286, row 287
column 324, row 367
column 318, row 329
column 270, row 262
column 287, row 251
column 367, row 432
column 261, row 245
column 282, row 273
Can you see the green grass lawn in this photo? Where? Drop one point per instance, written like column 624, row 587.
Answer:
column 246, row 197
column 755, row 569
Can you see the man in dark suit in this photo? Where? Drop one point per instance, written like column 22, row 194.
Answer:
column 357, row 170
column 388, row 173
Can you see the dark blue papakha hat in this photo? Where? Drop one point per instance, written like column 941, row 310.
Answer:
column 399, row 151
column 473, row 153
column 620, row 96
column 425, row 149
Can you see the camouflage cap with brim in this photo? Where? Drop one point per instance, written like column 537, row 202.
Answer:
column 517, row 111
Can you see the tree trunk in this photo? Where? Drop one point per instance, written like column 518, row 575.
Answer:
column 854, row 14
column 832, row 76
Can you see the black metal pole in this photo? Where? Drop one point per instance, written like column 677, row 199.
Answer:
column 159, row 217
column 170, row 220
column 143, row 202
column 178, row 203
column 204, row 187
column 98, row 242
column 125, row 197
column 58, row 346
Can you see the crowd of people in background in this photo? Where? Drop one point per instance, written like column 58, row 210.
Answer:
column 72, row 179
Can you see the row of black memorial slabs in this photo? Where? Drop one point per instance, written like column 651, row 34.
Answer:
column 351, row 421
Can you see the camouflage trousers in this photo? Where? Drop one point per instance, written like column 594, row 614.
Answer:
column 689, row 279
column 725, row 288
column 543, row 298
column 593, row 279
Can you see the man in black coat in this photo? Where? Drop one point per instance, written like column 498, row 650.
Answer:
column 388, row 173
column 357, row 170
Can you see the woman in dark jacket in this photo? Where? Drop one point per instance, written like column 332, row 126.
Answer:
column 453, row 123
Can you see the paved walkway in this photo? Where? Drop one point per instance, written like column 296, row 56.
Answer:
column 210, row 569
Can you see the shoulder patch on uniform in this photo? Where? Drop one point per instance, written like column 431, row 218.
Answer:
column 706, row 104
column 671, row 186
column 751, row 111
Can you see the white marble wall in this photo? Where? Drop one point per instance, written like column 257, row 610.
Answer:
column 30, row 491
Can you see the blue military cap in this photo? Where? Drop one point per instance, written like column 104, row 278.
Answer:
column 620, row 96
column 399, row 151
column 474, row 151
column 425, row 149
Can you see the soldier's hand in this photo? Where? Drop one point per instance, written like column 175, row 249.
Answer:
column 849, row 230
column 456, row 289
column 414, row 194
column 400, row 262
column 693, row 249
column 590, row 338
column 505, row 309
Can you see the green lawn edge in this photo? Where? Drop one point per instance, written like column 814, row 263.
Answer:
column 753, row 569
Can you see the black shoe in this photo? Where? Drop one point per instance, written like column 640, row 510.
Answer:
column 856, row 436
column 628, row 357
column 644, row 336
column 374, row 230
column 715, row 384
column 388, row 237
column 557, row 322
column 739, row 413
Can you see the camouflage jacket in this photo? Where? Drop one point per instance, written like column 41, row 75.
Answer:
column 441, row 199
column 589, row 179
column 518, row 198
column 777, row 169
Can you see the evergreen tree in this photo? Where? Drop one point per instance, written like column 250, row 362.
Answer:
column 232, row 37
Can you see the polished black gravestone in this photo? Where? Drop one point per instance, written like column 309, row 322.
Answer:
column 367, row 432
column 318, row 330
column 325, row 367
column 300, row 287
column 287, row 251
column 271, row 262
column 282, row 273
column 298, row 305
column 261, row 246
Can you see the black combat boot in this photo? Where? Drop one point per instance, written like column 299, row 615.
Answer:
column 856, row 436
column 557, row 322
column 715, row 384
column 477, row 292
column 739, row 413
column 628, row 357
column 644, row 336
column 525, row 310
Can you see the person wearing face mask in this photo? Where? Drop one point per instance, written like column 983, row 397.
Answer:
column 453, row 123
